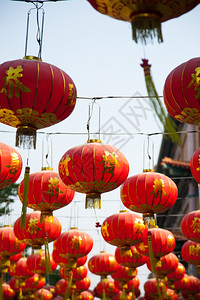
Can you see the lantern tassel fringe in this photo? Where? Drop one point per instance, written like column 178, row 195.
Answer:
column 26, row 137
column 25, row 197
column 47, row 257
column 168, row 123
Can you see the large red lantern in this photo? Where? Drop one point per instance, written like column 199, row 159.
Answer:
column 130, row 258
column 93, row 169
column 102, row 264
column 46, row 192
column 124, row 229
column 163, row 242
column 34, row 95
column 38, row 231
column 73, row 244
column 9, row 246
column 190, row 252
column 10, row 165
column 182, row 92
column 149, row 193
column 166, row 264
column 190, row 226
column 145, row 16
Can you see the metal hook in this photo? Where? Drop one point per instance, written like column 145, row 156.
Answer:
column 91, row 109
column 48, row 151
column 150, row 154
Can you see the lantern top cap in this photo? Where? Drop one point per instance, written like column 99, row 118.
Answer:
column 93, row 141
column 73, row 227
column 31, row 57
column 47, row 168
column 148, row 170
column 123, row 211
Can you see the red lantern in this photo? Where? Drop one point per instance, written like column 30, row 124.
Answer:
column 43, row 294
column 9, row 246
column 83, row 285
column 190, row 226
column 151, row 287
column 8, row 292
column 181, row 92
column 166, row 264
column 38, row 231
column 77, row 273
column 106, row 287
column 124, row 274
column 130, row 258
column 10, row 165
column 193, row 287
column 64, row 262
column 145, row 16
column 163, row 242
column 149, row 193
column 85, row 295
column 35, row 282
column 61, row 287
column 73, row 244
column 176, row 275
column 190, row 252
column 102, row 264
column 124, row 229
column 93, row 169
column 170, row 295
column 128, row 286
column 34, row 95
column 195, row 165
column 46, row 192
column 182, row 284
column 19, row 269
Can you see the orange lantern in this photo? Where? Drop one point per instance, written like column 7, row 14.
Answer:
column 93, row 169
column 102, row 264
column 36, row 263
column 124, row 229
column 43, row 294
column 46, row 192
column 130, row 258
column 190, row 225
column 8, row 292
column 38, row 231
column 149, row 193
column 165, row 265
column 73, row 244
column 64, row 262
column 34, row 95
column 190, row 252
column 10, row 165
column 181, row 92
column 9, row 246
column 145, row 16
column 163, row 242
column 78, row 273
column 106, row 288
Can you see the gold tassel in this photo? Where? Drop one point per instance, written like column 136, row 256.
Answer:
column 69, row 284
column 42, row 296
column 133, row 292
column 151, row 255
column 1, row 286
column 26, row 137
column 104, row 295
column 20, row 294
column 158, row 287
column 47, row 257
column 168, row 123
column 25, row 197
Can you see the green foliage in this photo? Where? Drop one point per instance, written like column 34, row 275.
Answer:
column 7, row 196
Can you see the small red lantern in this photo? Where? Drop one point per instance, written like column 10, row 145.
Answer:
column 190, row 226
column 34, row 95
column 106, row 288
column 64, row 262
column 43, row 294
column 35, row 282
column 130, row 258
column 166, row 264
column 151, row 287
column 77, row 273
column 195, row 165
column 163, row 242
column 83, row 285
column 176, row 275
column 9, row 246
column 182, row 284
column 124, row 229
column 8, row 292
column 38, row 231
column 190, row 252
column 19, row 269
column 10, row 165
column 46, row 192
column 149, row 193
column 93, row 169
column 102, row 264
column 73, row 244
column 193, row 287
column 124, row 274
column 128, row 286
column 85, row 295
column 61, row 287
column 181, row 92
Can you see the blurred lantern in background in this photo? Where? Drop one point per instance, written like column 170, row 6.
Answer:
column 145, row 16
column 151, row 288
column 10, row 165
column 34, row 95
column 175, row 276
column 105, row 289
column 190, row 252
column 190, row 226
column 124, row 229
column 43, row 294
column 8, row 293
column 85, row 295
column 93, row 169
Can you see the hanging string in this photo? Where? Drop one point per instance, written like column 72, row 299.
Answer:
column 47, row 152
column 91, row 110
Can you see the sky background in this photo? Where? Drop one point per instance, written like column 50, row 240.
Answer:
column 98, row 53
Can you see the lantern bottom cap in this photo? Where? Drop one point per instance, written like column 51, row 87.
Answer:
column 26, row 137
column 93, row 200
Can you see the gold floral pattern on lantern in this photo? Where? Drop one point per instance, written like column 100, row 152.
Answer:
column 189, row 115
column 32, row 226
column 63, row 167
column 76, row 242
